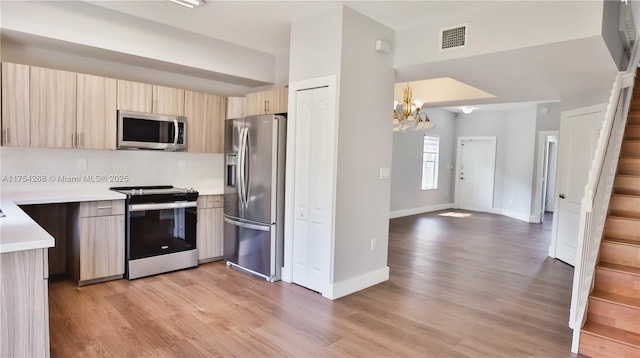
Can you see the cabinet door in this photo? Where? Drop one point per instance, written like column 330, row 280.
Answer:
column 97, row 116
column 101, row 247
column 236, row 107
column 134, row 96
column 205, row 121
column 24, row 305
column 167, row 100
column 256, row 103
column 52, row 104
column 209, row 233
column 15, row 105
column 279, row 101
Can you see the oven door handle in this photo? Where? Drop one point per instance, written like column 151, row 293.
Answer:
column 247, row 225
column 155, row 206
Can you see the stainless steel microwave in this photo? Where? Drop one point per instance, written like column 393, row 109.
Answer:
column 138, row 130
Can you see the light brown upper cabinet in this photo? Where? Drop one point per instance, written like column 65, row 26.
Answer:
column 205, row 120
column 236, row 107
column 96, row 110
column 15, row 105
column 267, row 102
column 52, row 108
column 143, row 97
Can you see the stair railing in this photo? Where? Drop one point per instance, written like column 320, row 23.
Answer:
column 595, row 203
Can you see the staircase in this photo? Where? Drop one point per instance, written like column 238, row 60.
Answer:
column 612, row 328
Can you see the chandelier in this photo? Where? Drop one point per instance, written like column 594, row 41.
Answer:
column 407, row 115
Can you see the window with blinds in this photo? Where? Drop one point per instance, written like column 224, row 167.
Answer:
column 430, row 154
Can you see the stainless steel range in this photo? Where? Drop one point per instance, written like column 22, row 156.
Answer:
column 160, row 229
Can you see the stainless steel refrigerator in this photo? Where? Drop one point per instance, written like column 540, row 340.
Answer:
column 254, row 194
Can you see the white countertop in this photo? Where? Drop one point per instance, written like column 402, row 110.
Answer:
column 19, row 232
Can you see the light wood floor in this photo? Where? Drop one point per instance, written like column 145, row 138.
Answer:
column 480, row 286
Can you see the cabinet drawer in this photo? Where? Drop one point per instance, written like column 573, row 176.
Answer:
column 209, row 201
column 101, row 208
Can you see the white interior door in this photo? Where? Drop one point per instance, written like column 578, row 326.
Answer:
column 313, row 189
column 475, row 173
column 579, row 132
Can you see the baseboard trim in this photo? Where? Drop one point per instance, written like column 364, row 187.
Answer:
column 512, row 214
column 356, row 284
column 421, row 210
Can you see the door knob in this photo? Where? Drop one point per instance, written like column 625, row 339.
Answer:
column 561, row 196
column 461, row 178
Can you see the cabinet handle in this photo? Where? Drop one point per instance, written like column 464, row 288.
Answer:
column 265, row 106
column 73, row 140
column 81, row 140
column 104, row 207
column 268, row 106
column 5, row 133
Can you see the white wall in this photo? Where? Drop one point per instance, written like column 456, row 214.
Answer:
column 549, row 121
column 407, row 198
column 143, row 167
column 488, row 124
column 364, row 146
column 315, row 46
column 588, row 97
column 551, row 176
column 515, row 140
column 611, row 34
column 501, row 26
column 519, row 163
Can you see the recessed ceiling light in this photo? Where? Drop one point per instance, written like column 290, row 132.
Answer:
column 188, row 3
column 467, row 109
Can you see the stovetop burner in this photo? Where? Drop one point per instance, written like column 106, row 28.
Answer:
column 156, row 194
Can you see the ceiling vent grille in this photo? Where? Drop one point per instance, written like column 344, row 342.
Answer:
column 453, row 38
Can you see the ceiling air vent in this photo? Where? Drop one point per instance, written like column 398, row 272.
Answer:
column 453, row 38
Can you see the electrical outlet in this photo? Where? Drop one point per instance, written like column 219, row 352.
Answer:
column 182, row 164
column 373, row 244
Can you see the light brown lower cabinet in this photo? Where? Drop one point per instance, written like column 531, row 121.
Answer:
column 24, row 305
column 209, row 229
column 98, row 241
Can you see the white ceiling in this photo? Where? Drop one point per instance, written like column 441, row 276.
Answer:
column 264, row 25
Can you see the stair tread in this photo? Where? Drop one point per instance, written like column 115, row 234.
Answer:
column 615, row 298
column 622, row 218
column 621, row 241
column 615, row 334
column 626, row 195
column 619, row 268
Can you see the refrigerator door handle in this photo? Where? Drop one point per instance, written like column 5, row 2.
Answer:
column 246, row 168
column 247, row 225
column 241, row 160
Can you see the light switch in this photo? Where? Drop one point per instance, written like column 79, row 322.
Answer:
column 182, row 164
column 385, row 173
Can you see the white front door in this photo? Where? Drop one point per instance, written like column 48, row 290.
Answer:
column 313, row 185
column 475, row 173
column 579, row 132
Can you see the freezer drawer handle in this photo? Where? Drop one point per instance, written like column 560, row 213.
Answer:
column 246, row 225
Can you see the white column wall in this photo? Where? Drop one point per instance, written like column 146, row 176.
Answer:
column 364, row 147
